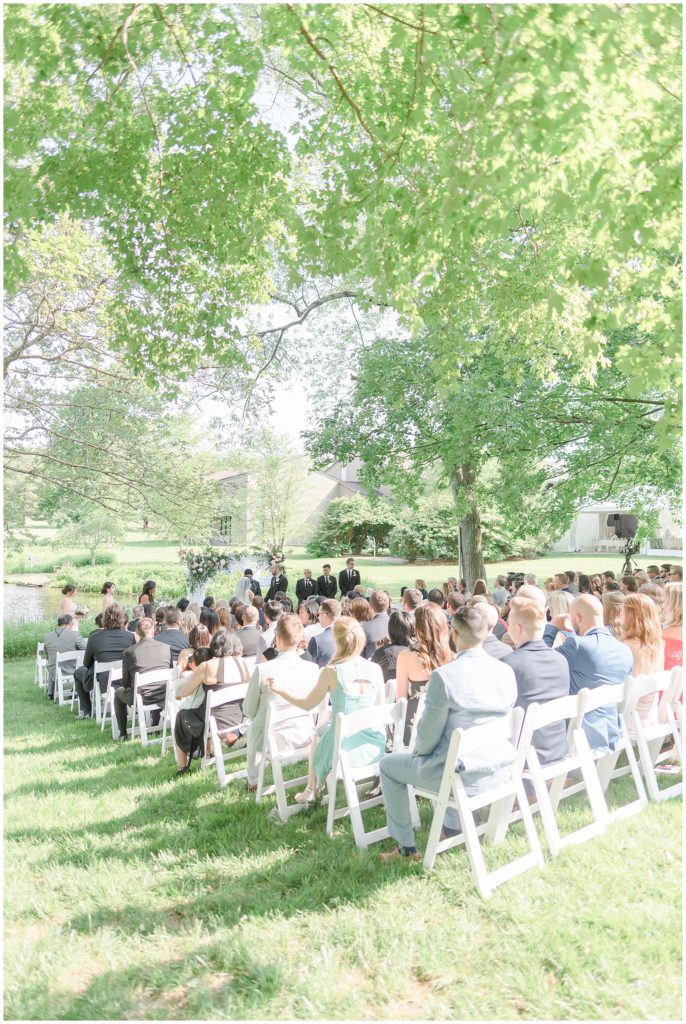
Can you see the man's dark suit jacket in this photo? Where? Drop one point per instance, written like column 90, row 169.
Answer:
column 305, row 588
column 496, row 648
column 255, row 587
column 321, row 647
column 327, row 589
column 145, row 656
column 175, row 639
column 278, row 583
column 542, row 675
column 105, row 645
column 374, row 630
column 346, row 583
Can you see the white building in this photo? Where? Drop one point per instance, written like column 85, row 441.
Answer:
column 589, row 532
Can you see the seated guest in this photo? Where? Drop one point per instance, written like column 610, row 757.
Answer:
column 462, row 692
column 665, row 568
column 195, row 608
column 612, row 611
column 60, row 641
column 435, row 596
column 455, row 601
column 420, row 585
column 414, row 667
column 401, row 635
column 595, row 658
column 272, row 613
column 376, row 628
column 541, row 674
column 676, row 574
column 182, row 604
column 673, row 633
column 291, row 673
column 309, row 616
column 479, row 588
column 491, row 645
column 628, row 585
column 98, row 620
column 107, row 644
column 610, row 587
column 224, row 669
column 198, row 637
column 284, row 601
column 160, row 620
column 361, row 609
column 173, row 636
column 571, row 577
column 326, row 583
column 501, row 593
column 642, row 633
column 561, row 582
column 248, row 633
column 657, row 595
column 412, row 599
column 609, row 575
column 226, row 619
column 258, row 604
column 209, row 602
column 352, row 683
column 653, row 572
column 585, row 585
column 189, row 621
column 597, row 585
column 136, row 615
column 321, row 647
column 238, row 610
column 531, row 579
column 210, row 619
column 305, row 587
column 143, row 656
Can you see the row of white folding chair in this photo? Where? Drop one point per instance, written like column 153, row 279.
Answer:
column 65, row 689
column 649, row 739
column 141, row 710
column 40, row 675
column 279, row 717
column 102, row 702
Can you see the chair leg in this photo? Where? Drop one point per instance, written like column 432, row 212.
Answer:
column 471, row 838
column 353, row 800
column 332, row 786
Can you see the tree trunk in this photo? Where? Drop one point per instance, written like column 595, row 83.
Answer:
column 463, row 480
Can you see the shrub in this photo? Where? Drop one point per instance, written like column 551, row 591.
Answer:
column 346, row 525
column 20, row 638
column 170, row 580
column 18, row 563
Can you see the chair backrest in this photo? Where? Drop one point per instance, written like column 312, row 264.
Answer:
column 100, row 667
column 601, row 696
column 153, row 677
column 249, row 662
column 226, row 695
column 560, row 709
column 637, row 687
column 74, row 658
column 494, row 730
column 376, row 717
column 417, row 718
column 116, row 675
column 390, row 688
column 40, row 649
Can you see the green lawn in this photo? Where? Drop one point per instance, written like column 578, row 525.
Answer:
column 131, row 895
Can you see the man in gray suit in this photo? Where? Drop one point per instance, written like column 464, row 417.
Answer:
column 145, row 655
column 59, row 641
column 321, row 646
column 467, row 691
column 377, row 627
column 248, row 633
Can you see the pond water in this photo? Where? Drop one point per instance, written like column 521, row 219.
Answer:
column 29, row 604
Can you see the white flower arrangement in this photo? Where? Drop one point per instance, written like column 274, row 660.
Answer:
column 202, row 566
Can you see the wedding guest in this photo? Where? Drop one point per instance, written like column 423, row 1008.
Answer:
column 420, row 585
column 291, row 673
column 401, row 636
column 189, row 622
column 160, row 623
column 258, row 604
column 147, row 596
column 308, row 613
column 642, row 633
column 414, row 667
column 435, row 596
column 226, row 619
column 352, row 683
column 326, row 583
column 360, row 609
column 412, row 599
column 673, row 633
column 462, row 692
column 108, row 595
column 657, row 595
column 238, row 609
column 248, row 633
column 209, row 602
column 585, row 585
column 106, row 644
column 561, row 582
column 65, row 638
column 613, row 602
column 98, row 624
column 628, row 585
column 210, row 619
column 195, row 608
column 182, row 604
column 272, row 613
column 559, row 602
column 146, row 655
column 531, row 579
column 491, row 644
column 653, row 572
column 284, row 601
column 173, row 636
column 67, row 605
column 501, row 593
column 376, row 627
column 136, row 615
column 321, row 647
column 479, row 588
column 571, row 578
column 198, row 638
column 597, row 585
column 676, row 574
column 610, row 587
column 609, row 575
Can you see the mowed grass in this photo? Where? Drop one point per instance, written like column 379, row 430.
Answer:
column 132, row 895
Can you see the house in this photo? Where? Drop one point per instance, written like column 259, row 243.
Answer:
column 316, row 489
column 589, row 532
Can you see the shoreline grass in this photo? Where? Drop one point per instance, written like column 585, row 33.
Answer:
column 132, row 895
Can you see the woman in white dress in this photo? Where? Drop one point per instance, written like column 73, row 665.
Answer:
column 108, row 595
column 67, row 605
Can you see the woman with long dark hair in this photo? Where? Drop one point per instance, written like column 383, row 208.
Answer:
column 414, row 667
column 147, row 596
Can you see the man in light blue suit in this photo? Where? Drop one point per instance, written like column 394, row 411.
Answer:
column 595, row 658
column 467, row 691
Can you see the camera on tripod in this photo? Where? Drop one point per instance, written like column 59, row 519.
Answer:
column 626, row 528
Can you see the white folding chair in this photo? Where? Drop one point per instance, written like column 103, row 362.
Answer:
column 40, row 674
column 279, row 715
column 113, row 680
column 249, row 662
column 377, row 718
column 170, row 711
column 390, row 687
column 64, row 677
column 650, row 738
column 101, row 668
column 452, row 794
column 606, row 762
column 144, row 682
column 219, row 757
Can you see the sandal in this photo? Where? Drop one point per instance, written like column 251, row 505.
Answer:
column 183, row 771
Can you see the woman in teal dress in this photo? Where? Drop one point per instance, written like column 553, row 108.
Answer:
column 352, row 683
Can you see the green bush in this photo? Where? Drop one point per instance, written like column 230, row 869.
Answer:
column 19, row 564
column 129, row 578
column 346, row 525
column 20, row 638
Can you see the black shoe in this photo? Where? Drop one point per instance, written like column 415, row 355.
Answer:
column 83, row 716
column 121, row 739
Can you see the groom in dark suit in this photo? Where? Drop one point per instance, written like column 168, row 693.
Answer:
column 326, row 584
column 306, row 587
column 279, row 583
column 254, row 585
column 348, row 578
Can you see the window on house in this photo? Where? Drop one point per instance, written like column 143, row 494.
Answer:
column 225, row 527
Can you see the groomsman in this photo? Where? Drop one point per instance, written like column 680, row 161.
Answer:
column 279, row 583
column 306, row 587
column 348, row 578
column 326, row 584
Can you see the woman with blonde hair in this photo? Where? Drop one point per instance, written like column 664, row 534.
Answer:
column 642, row 633
column 558, row 602
column 190, row 621
column 656, row 594
column 414, row 667
column 673, row 633
column 352, row 683
column 613, row 602
column 421, row 587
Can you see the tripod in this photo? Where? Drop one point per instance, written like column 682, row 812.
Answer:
column 629, row 565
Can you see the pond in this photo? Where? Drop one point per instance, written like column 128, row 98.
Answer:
column 30, row 604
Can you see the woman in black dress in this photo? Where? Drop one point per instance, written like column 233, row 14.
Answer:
column 225, row 668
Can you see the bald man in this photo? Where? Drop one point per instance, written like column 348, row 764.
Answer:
column 595, row 658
